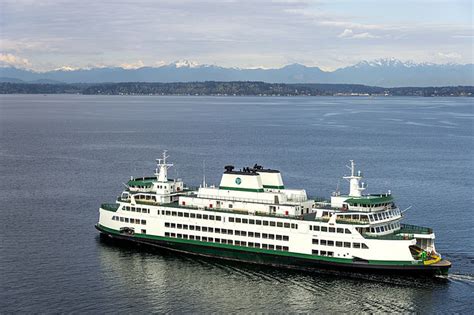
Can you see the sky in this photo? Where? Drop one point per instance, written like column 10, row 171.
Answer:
column 64, row 34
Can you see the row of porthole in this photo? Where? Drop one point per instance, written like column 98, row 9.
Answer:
column 329, row 229
column 228, row 231
column 136, row 209
column 128, row 220
column 339, row 244
column 227, row 241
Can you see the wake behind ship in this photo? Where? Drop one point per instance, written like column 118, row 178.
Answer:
column 252, row 217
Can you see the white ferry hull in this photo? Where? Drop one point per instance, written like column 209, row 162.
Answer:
column 278, row 259
column 252, row 217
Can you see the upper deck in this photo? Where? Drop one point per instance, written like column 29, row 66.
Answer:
column 261, row 192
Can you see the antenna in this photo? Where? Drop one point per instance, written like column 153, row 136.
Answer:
column 203, row 173
column 403, row 211
column 162, row 168
column 355, row 189
column 352, row 167
column 176, row 172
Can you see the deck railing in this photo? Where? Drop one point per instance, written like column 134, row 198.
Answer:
column 352, row 221
column 389, row 236
column 414, row 229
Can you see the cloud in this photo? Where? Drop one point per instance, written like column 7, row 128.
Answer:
column 365, row 35
column 349, row 33
column 22, row 45
column 12, row 60
column 244, row 33
column 449, row 55
column 159, row 63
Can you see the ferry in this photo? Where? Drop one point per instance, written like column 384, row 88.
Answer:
column 252, row 217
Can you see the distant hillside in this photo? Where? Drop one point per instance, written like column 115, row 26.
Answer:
column 11, row 80
column 384, row 72
column 229, row 88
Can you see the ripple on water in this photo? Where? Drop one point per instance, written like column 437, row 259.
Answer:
column 61, row 156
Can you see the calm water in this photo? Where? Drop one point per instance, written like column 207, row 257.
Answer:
column 61, row 156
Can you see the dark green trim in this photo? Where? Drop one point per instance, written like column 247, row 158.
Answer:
column 369, row 200
column 234, row 247
column 113, row 207
column 391, row 236
column 414, row 229
column 273, row 187
column 143, row 182
column 242, row 189
column 395, row 262
column 346, row 261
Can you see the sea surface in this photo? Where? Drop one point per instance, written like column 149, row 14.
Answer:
column 61, row 156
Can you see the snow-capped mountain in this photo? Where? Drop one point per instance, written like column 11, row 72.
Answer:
column 380, row 72
column 393, row 72
column 388, row 63
column 185, row 64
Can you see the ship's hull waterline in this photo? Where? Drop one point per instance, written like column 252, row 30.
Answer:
column 278, row 259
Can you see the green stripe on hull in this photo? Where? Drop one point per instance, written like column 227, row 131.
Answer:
column 241, row 189
column 273, row 187
column 208, row 248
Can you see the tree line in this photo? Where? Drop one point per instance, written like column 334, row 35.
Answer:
column 238, row 88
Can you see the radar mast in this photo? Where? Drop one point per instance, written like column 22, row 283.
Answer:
column 161, row 171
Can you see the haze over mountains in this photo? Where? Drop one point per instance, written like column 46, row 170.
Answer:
column 381, row 72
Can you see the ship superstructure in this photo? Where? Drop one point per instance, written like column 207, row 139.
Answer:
column 251, row 216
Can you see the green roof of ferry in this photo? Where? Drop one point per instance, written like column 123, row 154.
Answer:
column 369, row 200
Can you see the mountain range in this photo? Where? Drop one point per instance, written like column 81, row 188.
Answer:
column 381, row 72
